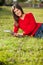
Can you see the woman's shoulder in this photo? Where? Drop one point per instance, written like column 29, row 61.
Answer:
column 29, row 13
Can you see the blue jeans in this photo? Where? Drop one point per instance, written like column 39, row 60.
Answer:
column 39, row 32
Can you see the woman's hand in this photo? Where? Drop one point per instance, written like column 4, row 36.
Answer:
column 17, row 34
column 20, row 35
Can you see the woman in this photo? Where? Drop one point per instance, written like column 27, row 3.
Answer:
column 26, row 22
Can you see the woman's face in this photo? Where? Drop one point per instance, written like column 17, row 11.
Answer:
column 18, row 12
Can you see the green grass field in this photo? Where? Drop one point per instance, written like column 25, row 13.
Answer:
column 19, row 51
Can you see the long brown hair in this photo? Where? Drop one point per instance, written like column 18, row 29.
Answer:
column 16, row 5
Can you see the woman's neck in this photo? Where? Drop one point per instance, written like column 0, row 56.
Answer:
column 22, row 16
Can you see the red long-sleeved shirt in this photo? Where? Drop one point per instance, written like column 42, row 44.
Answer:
column 28, row 25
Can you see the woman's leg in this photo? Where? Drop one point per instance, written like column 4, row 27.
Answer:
column 39, row 33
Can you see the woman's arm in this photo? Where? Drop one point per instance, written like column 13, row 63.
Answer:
column 15, row 32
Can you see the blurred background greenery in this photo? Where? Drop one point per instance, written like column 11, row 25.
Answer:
column 29, row 3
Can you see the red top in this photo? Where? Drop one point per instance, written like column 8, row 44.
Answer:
column 28, row 25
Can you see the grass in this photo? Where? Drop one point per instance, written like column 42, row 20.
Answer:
column 19, row 51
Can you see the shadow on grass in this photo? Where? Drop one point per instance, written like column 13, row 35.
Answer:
column 2, row 63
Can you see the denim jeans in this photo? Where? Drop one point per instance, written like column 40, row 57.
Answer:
column 39, row 32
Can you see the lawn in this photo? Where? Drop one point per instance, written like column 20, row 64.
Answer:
column 19, row 51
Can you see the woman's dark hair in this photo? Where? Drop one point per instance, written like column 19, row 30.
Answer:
column 16, row 5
